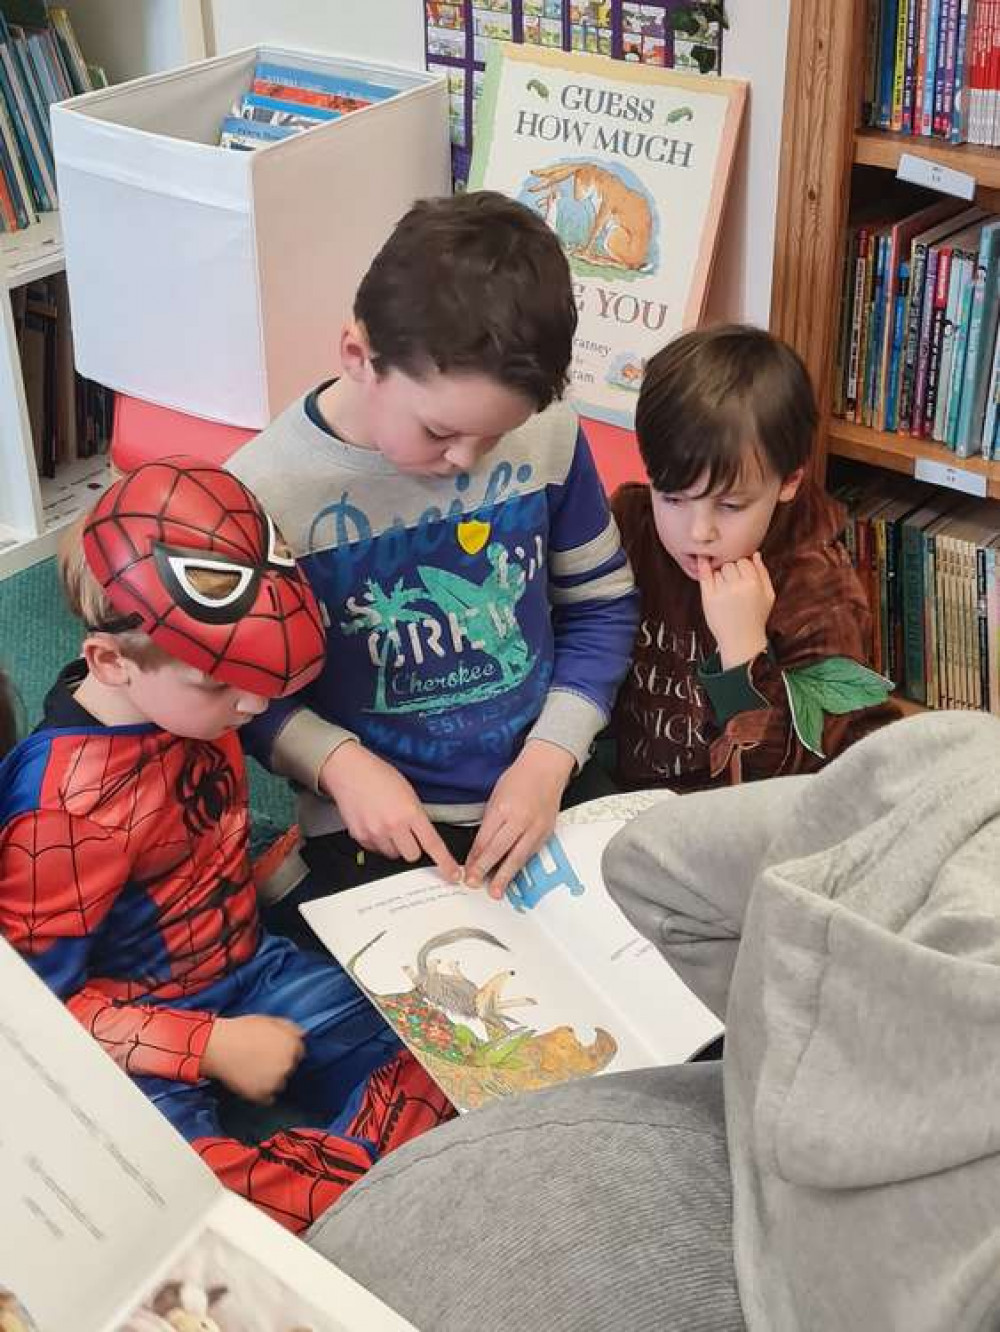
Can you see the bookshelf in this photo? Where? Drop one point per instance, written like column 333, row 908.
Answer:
column 821, row 143
column 881, row 148
column 825, row 154
column 33, row 509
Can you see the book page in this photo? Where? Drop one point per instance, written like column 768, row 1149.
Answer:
column 618, row 961
column 246, row 1274
column 496, row 998
column 95, row 1186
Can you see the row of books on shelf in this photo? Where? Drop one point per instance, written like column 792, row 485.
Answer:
column 71, row 417
column 38, row 66
column 917, row 349
column 284, row 100
column 929, row 560
column 932, row 68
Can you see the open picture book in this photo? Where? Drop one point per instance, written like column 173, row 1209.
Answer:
column 109, row 1222
column 498, row 997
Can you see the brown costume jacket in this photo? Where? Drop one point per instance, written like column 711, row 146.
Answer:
column 683, row 722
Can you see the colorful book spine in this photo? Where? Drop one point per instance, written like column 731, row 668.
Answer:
column 895, row 363
column 886, row 63
column 982, row 325
column 911, row 344
column 864, row 316
column 914, row 660
column 899, row 65
column 930, row 67
column 935, row 349
column 972, row 119
column 240, row 133
column 944, row 75
column 919, row 78
column 283, row 112
column 18, row 112
column 924, row 349
column 294, row 77
column 962, row 329
column 992, row 401
column 909, row 68
column 877, row 316
column 993, row 627
column 961, row 72
column 992, row 74
column 955, row 285
column 851, row 403
column 869, row 73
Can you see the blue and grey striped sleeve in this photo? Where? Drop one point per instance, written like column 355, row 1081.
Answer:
column 595, row 608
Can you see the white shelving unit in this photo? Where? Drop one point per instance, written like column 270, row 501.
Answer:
column 153, row 35
column 33, row 510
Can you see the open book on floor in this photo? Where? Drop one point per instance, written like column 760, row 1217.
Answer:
column 495, row 998
column 109, row 1222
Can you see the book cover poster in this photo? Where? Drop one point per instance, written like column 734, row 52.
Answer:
column 674, row 34
column 629, row 165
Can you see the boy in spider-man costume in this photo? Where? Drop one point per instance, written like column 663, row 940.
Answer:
column 125, row 879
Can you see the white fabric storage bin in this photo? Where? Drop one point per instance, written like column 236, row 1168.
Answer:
column 215, row 281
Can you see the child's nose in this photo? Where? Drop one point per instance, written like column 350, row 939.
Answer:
column 466, row 453
column 702, row 527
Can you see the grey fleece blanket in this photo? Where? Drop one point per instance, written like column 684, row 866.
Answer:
column 862, row 1066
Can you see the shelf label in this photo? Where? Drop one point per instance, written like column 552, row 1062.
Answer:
column 933, row 176
column 955, row 478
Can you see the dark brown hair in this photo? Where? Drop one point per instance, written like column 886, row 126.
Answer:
column 712, row 392
column 475, row 283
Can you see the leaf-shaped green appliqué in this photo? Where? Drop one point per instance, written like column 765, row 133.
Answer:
column 836, row 685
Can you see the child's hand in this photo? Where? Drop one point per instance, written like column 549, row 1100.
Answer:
column 253, row 1056
column 520, row 815
column 737, row 600
column 381, row 810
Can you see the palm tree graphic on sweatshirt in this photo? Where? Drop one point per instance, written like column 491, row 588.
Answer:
column 439, row 620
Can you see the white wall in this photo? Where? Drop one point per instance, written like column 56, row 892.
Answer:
column 754, row 49
column 132, row 37
column 390, row 30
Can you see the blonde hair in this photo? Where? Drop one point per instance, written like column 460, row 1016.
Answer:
column 90, row 603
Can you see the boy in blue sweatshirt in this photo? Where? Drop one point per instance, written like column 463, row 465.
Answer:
column 446, row 509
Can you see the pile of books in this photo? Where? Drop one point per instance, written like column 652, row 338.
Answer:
column 40, row 63
column 932, row 68
column 283, row 100
column 71, row 417
column 929, row 559
column 917, row 351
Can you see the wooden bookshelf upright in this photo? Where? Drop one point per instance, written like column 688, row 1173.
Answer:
column 821, row 141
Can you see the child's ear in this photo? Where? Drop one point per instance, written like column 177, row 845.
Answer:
column 790, row 485
column 105, row 661
column 355, row 352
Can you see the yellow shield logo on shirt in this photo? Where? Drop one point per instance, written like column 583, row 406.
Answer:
column 472, row 535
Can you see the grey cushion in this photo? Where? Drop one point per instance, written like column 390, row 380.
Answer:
column 601, row 1205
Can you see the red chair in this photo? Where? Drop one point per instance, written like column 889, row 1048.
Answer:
column 143, row 432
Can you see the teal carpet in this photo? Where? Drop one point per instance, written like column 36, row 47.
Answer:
column 38, row 636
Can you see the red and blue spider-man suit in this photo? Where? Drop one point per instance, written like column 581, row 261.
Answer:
column 125, row 882
column 124, row 871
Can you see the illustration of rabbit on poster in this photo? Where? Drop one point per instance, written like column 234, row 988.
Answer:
column 629, row 164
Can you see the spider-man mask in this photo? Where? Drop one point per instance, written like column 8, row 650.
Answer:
column 185, row 553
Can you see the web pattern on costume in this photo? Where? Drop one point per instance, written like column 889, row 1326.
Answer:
column 297, row 1174
column 267, row 636
column 132, row 867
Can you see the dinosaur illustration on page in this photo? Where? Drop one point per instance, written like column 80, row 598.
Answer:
column 463, row 1030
